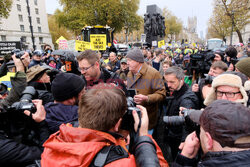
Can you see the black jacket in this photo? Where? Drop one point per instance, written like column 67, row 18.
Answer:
column 16, row 151
column 216, row 159
column 58, row 113
column 43, row 90
column 181, row 98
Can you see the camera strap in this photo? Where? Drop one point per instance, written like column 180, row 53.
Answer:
column 25, row 69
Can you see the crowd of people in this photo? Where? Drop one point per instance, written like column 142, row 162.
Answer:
column 150, row 107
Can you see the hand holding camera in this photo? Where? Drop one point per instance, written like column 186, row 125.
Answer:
column 144, row 120
column 40, row 113
column 191, row 146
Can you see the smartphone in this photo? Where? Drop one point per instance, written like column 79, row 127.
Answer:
column 131, row 92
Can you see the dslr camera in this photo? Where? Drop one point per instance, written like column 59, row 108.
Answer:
column 189, row 115
column 209, row 79
column 128, row 119
column 25, row 102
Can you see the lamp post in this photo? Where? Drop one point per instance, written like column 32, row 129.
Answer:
column 31, row 27
column 231, row 38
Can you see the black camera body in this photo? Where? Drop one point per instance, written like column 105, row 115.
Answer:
column 189, row 119
column 209, row 79
column 128, row 119
column 25, row 102
column 20, row 54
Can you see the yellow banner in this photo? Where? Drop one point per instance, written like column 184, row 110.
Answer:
column 161, row 43
column 82, row 45
column 6, row 79
column 98, row 41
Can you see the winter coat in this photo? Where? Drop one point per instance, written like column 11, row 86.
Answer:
column 18, row 153
column 226, row 158
column 181, row 98
column 18, row 83
column 78, row 147
column 58, row 114
column 114, row 65
column 148, row 82
column 43, row 90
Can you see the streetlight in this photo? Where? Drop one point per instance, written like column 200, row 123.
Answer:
column 231, row 40
column 31, row 27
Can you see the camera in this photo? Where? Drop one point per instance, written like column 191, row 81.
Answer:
column 128, row 119
column 189, row 117
column 234, row 60
column 25, row 102
column 208, row 79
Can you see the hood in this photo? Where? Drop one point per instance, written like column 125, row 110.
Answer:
column 57, row 114
column 74, row 146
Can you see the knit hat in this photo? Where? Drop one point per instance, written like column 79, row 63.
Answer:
column 34, row 72
column 136, row 55
column 244, row 66
column 227, row 80
column 66, row 86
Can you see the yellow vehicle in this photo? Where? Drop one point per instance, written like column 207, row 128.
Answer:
column 100, row 37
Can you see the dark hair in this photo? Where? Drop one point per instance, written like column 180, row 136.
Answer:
column 231, row 52
column 101, row 107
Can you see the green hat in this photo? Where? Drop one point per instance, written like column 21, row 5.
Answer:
column 244, row 66
column 124, row 60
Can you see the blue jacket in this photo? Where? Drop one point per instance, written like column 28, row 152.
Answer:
column 58, row 113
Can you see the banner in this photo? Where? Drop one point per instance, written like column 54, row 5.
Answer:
column 7, row 47
column 82, row 45
column 62, row 43
column 154, row 43
column 161, row 43
column 98, row 42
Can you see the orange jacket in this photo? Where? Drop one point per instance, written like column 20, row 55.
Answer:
column 78, row 146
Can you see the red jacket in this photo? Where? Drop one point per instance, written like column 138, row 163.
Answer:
column 78, row 146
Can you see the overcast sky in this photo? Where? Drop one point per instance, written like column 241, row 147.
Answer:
column 180, row 8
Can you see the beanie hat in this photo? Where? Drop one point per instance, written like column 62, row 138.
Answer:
column 227, row 80
column 66, row 86
column 244, row 66
column 34, row 72
column 136, row 55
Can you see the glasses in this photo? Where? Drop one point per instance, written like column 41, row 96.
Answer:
column 85, row 69
column 228, row 94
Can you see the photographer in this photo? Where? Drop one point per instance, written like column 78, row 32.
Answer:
column 48, row 50
column 231, row 58
column 37, row 76
column 100, row 131
column 180, row 96
column 36, row 58
column 14, row 151
column 18, row 82
column 204, row 85
column 224, row 137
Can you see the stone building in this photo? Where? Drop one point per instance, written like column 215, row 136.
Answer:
column 17, row 27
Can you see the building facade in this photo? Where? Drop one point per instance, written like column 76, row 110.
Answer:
column 17, row 27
